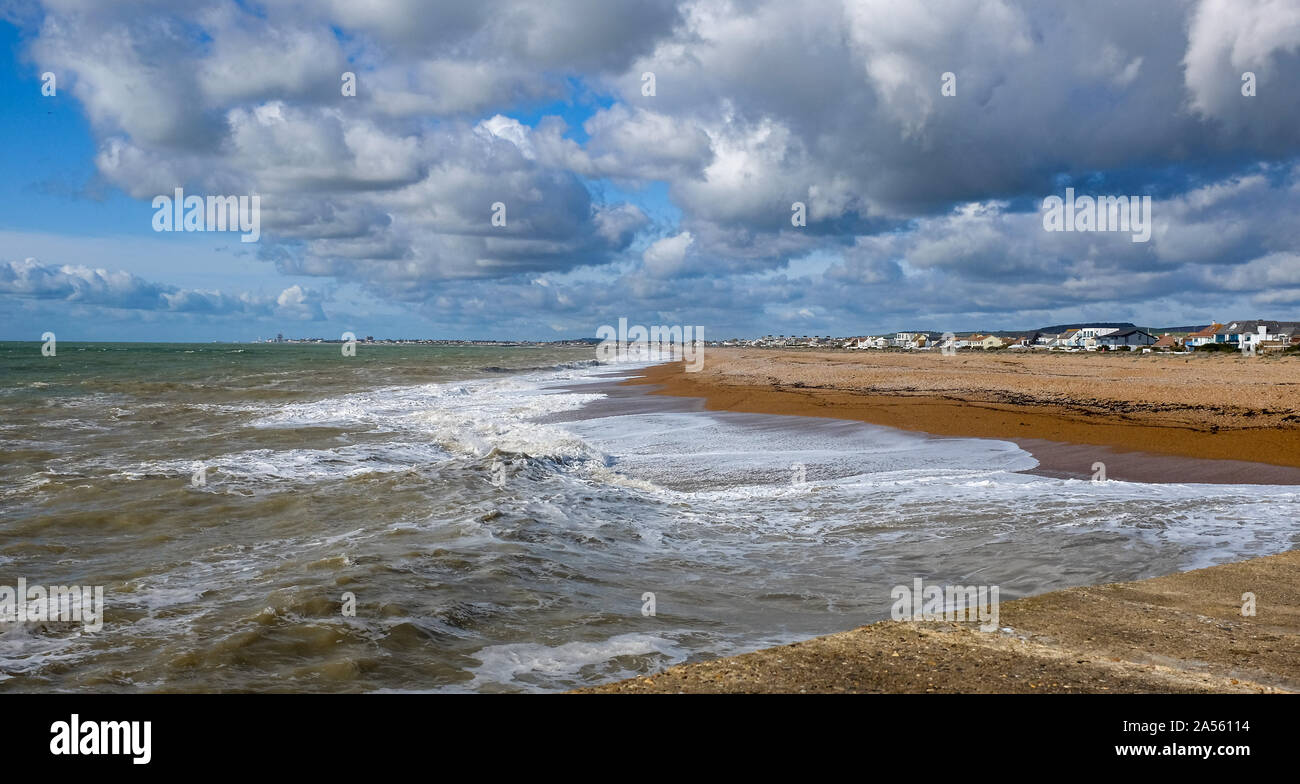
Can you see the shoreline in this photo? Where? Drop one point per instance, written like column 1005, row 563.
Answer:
column 1180, row 633
column 1183, row 632
column 1066, row 436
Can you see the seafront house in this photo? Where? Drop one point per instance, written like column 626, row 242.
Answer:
column 1126, row 338
column 907, row 339
column 917, row 339
column 1258, row 335
column 1166, row 342
column 1077, row 338
column 1203, row 336
column 1087, row 336
column 1062, row 340
column 976, row 340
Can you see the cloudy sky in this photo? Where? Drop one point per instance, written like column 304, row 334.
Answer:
column 924, row 210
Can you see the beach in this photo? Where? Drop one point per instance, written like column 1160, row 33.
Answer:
column 1151, row 419
column 1226, row 418
column 1183, row 633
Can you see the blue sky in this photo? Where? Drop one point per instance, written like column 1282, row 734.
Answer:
column 49, row 157
column 672, row 208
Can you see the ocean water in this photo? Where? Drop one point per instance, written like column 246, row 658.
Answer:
column 499, row 516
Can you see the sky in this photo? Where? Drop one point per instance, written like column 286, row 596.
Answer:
column 921, row 139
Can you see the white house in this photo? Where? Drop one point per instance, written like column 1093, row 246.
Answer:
column 910, row 339
column 1067, row 339
column 1087, row 336
column 1254, row 334
column 1203, row 336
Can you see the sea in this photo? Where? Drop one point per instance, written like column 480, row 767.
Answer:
column 416, row 518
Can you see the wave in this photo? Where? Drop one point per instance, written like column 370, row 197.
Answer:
column 574, row 365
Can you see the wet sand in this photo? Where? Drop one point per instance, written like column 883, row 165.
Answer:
column 1147, row 418
column 1184, row 633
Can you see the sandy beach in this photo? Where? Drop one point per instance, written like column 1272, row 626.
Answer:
column 1211, row 418
column 1184, row 633
column 1150, row 419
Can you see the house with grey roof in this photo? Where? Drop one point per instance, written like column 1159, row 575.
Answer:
column 1126, row 338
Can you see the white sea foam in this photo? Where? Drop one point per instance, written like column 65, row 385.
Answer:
column 734, row 469
column 536, row 666
column 704, row 450
column 269, row 465
column 470, row 417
